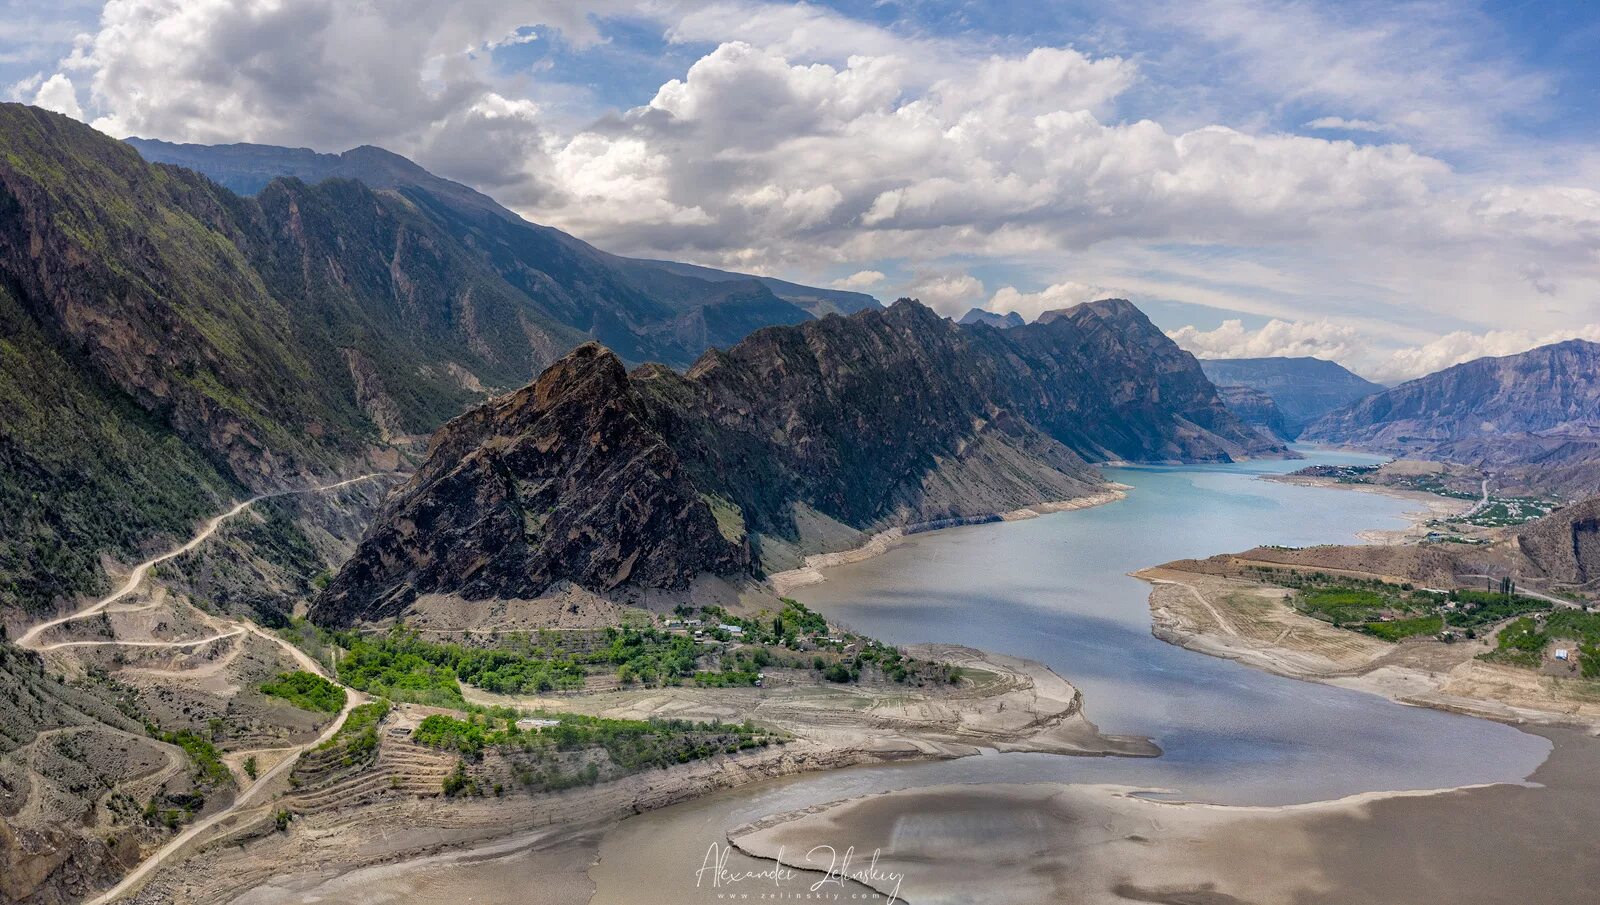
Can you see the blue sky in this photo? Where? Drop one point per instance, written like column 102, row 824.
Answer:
column 1395, row 185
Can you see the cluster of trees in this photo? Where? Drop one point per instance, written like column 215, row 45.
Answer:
column 629, row 745
column 306, row 690
column 358, row 737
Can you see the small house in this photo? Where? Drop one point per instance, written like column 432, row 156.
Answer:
column 1561, row 653
column 529, row 724
column 731, row 629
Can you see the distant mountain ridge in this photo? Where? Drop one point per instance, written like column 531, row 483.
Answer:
column 1000, row 321
column 799, row 439
column 249, row 168
column 1301, row 389
column 1533, row 419
column 1256, row 408
column 1550, row 390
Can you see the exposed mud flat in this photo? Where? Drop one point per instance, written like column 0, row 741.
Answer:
column 1050, row 843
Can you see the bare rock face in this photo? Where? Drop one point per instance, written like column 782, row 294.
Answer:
column 1256, row 408
column 1550, row 391
column 799, row 438
column 560, row 480
column 1564, row 545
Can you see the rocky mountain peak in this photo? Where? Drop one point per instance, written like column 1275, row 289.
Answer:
column 799, row 439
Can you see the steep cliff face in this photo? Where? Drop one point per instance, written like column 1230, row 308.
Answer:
column 1115, row 387
column 562, row 480
column 1551, row 390
column 781, row 445
column 1302, row 389
column 1257, row 409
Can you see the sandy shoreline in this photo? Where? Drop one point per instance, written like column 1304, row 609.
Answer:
column 884, row 541
column 1248, row 622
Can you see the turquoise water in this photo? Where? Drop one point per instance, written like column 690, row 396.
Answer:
column 1056, row 589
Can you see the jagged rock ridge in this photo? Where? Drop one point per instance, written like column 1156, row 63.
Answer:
column 796, row 440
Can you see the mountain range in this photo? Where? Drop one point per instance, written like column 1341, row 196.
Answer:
column 169, row 343
column 1299, row 390
column 800, row 439
column 1551, row 390
column 1529, row 418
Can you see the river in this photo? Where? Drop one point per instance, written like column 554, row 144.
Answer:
column 1056, row 589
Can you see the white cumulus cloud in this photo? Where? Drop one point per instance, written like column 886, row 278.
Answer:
column 950, row 294
column 1460, row 346
column 1055, row 296
column 860, row 280
column 1277, row 338
column 57, row 93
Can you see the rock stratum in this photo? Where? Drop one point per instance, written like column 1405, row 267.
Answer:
column 1553, row 389
column 798, row 440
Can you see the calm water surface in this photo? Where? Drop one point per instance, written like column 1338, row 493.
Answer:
column 1056, row 589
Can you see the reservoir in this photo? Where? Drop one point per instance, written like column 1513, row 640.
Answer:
column 1056, row 589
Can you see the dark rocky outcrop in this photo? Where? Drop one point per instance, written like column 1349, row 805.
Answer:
column 561, row 480
column 1302, row 389
column 796, row 440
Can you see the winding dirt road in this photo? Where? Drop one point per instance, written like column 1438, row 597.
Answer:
column 257, row 789
column 137, row 576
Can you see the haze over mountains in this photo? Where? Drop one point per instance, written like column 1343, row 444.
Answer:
column 1297, row 391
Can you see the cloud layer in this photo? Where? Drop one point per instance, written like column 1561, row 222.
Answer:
column 1322, row 339
column 804, row 142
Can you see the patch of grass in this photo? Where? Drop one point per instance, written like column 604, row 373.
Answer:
column 209, row 769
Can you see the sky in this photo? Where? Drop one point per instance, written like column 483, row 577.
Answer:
column 1397, row 186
